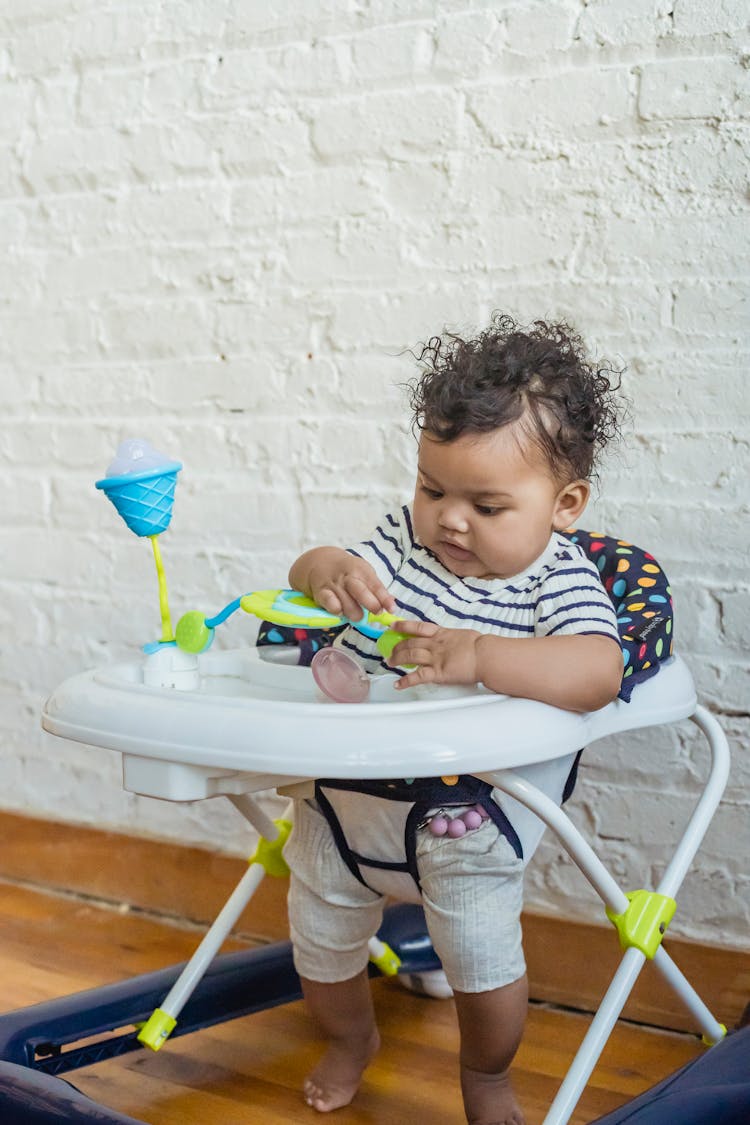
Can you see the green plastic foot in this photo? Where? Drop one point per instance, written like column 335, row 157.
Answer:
column 712, row 1042
column 157, row 1029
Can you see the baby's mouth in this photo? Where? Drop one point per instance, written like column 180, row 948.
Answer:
column 454, row 552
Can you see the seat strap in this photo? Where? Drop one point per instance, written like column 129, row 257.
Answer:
column 422, row 794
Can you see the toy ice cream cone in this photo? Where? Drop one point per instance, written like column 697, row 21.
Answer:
column 141, row 484
column 145, row 499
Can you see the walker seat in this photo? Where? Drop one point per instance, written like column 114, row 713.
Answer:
column 235, row 724
column 197, row 724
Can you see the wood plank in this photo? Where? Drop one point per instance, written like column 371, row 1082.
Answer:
column 171, row 880
column 570, row 962
column 67, row 945
column 252, row 1068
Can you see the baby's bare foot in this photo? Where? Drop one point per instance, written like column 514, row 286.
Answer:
column 335, row 1080
column 489, row 1099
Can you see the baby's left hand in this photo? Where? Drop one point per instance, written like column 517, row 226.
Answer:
column 442, row 656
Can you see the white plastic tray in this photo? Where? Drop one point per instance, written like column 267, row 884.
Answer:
column 266, row 722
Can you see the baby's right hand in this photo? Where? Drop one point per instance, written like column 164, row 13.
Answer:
column 344, row 585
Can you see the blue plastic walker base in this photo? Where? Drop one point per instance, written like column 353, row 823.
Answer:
column 39, row 1043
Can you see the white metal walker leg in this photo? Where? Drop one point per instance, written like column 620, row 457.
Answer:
column 617, row 904
column 162, row 1021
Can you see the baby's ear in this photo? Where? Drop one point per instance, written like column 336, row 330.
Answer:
column 571, row 501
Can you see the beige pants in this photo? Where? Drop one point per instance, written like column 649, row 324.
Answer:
column 472, row 891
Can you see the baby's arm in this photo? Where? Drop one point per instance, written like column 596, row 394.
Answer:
column 578, row 673
column 340, row 582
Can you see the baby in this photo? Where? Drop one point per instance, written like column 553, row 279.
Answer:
column 490, row 593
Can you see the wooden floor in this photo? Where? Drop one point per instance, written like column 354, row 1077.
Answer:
column 251, row 1069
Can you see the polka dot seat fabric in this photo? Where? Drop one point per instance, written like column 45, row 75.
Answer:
column 306, row 640
column 634, row 580
column 642, row 598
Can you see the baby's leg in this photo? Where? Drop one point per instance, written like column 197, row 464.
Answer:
column 344, row 1013
column 332, row 917
column 472, row 893
column 491, row 1025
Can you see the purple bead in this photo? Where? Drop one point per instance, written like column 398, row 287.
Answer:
column 438, row 826
column 456, row 828
column 472, row 818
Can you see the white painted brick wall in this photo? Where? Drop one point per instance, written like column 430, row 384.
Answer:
column 224, row 222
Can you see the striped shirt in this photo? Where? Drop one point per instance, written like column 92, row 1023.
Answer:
column 559, row 593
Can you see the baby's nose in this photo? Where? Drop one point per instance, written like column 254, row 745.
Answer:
column 453, row 515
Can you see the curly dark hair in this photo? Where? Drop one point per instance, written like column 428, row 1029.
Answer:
column 540, row 375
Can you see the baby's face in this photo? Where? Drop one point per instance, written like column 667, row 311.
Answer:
column 486, row 504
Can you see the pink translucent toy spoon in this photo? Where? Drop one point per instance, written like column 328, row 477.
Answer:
column 339, row 676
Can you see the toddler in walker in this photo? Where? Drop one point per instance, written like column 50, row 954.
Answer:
column 491, row 593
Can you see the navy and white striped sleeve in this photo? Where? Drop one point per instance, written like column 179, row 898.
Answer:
column 572, row 600
column 387, row 547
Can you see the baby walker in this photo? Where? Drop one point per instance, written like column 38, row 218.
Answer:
column 192, row 722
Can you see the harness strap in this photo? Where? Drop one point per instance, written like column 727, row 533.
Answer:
column 422, row 794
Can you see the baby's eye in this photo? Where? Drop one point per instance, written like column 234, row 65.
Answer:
column 433, row 493
column 488, row 510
